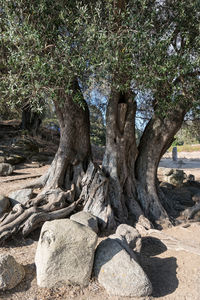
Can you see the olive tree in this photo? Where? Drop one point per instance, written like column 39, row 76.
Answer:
column 43, row 57
column 137, row 46
column 151, row 47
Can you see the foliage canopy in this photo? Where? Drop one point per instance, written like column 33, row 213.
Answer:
column 152, row 46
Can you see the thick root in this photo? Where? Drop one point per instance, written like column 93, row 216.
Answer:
column 37, row 219
column 11, row 227
column 48, row 205
column 95, row 187
column 189, row 213
column 94, row 192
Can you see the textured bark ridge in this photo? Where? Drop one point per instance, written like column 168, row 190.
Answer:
column 157, row 137
column 61, row 184
column 110, row 192
column 126, row 188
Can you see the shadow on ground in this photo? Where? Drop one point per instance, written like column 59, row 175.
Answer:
column 161, row 271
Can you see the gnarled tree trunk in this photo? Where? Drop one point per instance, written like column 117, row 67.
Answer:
column 113, row 187
column 61, row 184
column 157, row 137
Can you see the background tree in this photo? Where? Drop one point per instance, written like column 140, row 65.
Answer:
column 98, row 136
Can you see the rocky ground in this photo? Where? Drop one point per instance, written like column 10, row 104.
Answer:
column 189, row 162
column 174, row 272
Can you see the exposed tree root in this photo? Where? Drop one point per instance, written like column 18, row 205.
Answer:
column 48, row 205
column 95, row 186
column 190, row 212
column 94, row 192
column 21, row 178
column 37, row 219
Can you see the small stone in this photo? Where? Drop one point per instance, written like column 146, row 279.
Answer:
column 11, row 272
column 4, row 204
column 176, row 177
column 2, row 159
column 190, row 178
column 131, row 235
column 87, row 219
column 15, row 159
column 6, row 169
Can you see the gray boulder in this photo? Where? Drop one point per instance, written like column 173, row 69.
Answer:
column 11, row 273
column 131, row 236
column 20, row 196
column 119, row 272
column 4, row 204
column 87, row 219
column 176, row 177
column 65, row 253
column 6, row 169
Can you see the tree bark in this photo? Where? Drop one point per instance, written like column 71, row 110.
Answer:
column 62, row 183
column 157, row 137
column 31, row 121
column 121, row 151
column 74, row 151
column 113, row 192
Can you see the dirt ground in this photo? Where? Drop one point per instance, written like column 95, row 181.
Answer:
column 189, row 162
column 175, row 275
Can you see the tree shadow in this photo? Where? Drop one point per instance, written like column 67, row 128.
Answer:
column 152, row 246
column 17, row 240
column 160, row 271
column 24, row 285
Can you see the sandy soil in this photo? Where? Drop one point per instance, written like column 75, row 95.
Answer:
column 189, row 162
column 175, row 275
column 22, row 175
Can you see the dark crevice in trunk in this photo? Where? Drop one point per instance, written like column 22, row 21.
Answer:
column 114, row 199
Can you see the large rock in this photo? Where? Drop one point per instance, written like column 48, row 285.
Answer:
column 20, row 196
column 119, row 272
column 87, row 219
column 6, row 169
column 65, row 253
column 4, row 204
column 11, row 273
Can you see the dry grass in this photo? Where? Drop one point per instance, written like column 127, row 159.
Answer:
column 187, row 148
